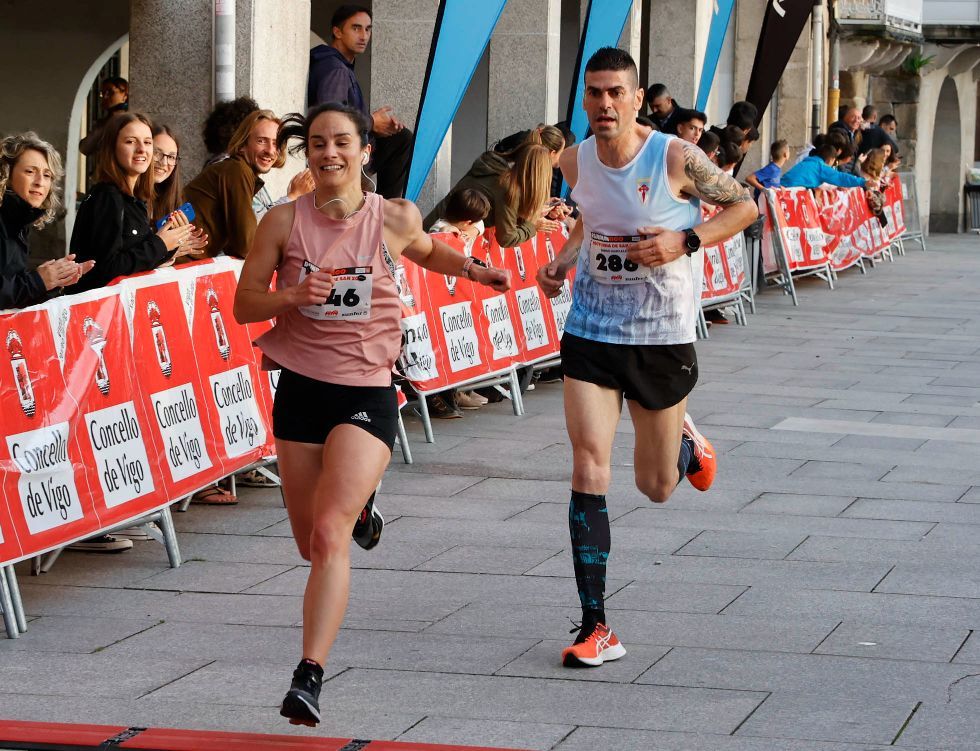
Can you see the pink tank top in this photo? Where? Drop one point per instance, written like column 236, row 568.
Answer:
column 355, row 337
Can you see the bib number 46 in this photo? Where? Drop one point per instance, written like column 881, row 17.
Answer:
column 349, row 299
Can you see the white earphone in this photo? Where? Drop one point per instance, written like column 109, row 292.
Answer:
column 364, row 159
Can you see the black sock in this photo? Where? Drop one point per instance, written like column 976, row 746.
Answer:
column 588, row 525
column 686, row 458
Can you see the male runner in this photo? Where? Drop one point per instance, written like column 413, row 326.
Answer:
column 631, row 328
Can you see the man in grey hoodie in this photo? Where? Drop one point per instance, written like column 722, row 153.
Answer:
column 332, row 79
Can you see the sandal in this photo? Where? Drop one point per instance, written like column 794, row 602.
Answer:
column 214, row 496
column 255, row 479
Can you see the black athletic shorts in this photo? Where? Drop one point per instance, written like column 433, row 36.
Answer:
column 655, row 376
column 306, row 410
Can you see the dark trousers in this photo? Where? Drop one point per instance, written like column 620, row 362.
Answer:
column 389, row 161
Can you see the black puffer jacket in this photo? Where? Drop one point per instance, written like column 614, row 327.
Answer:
column 19, row 286
column 113, row 229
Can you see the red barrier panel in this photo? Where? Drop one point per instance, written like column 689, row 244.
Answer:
column 724, row 265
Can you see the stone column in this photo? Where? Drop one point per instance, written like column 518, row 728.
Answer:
column 171, row 75
column 673, row 48
column 524, row 55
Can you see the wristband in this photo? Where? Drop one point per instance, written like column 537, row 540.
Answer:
column 468, row 264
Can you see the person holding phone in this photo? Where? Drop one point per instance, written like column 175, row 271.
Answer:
column 168, row 188
column 112, row 226
column 337, row 337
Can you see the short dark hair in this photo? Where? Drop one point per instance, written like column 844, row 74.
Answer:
column 778, row 147
column 732, row 134
column 656, row 90
column 887, row 120
column 466, row 205
column 709, row 141
column 346, row 12
column 224, row 121
column 837, row 139
column 116, row 82
column 846, row 152
column 686, row 115
column 742, row 115
column 729, row 153
column 826, row 152
column 752, row 134
column 612, row 58
column 868, row 111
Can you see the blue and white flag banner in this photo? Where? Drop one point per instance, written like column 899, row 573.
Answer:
column 604, row 23
column 721, row 15
column 462, row 32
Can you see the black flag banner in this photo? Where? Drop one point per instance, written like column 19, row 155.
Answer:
column 781, row 28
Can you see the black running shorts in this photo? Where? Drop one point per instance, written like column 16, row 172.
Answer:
column 306, row 410
column 655, row 376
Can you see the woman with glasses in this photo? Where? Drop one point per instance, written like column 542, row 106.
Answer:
column 168, row 187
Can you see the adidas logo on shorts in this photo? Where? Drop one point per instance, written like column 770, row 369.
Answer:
column 362, row 416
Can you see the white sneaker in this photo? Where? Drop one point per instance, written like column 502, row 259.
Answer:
column 138, row 533
column 103, row 544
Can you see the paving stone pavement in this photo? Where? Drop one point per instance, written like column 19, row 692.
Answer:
column 823, row 596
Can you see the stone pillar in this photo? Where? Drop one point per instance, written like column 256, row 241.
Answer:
column 399, row 52
column 673, row 48
column 524, row 56
column 171, row 76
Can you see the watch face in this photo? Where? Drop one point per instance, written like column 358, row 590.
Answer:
column 692, row 240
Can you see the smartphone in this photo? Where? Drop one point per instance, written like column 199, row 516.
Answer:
column 188, row 212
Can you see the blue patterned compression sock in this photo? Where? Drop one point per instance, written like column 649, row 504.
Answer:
column 684, row 460
column 588, row 524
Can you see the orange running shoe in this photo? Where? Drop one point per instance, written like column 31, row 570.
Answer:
column 601, row 645
column 704, row 457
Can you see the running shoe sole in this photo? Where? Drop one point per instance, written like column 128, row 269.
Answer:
column 610, row 653
column 299, row 710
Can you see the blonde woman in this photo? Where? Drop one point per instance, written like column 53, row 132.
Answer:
column 30, row 198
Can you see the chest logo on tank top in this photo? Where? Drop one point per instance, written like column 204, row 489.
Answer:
column 643, row 189
column 350, row 298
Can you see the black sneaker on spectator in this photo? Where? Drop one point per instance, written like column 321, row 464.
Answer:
column 255, row 479
column 103, row 544
column 442, row 408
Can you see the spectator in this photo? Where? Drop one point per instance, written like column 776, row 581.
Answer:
column 845, row 159
column 222, row 193
column 511, row 142
column 222, row 124
column 517, row 184
column 663, row 109
column 709, row 143
column 332, row 79
column 890, row 125
column 464, row 214
column 877, row 137
column 112, row 226
column 690, row 125
column 769, row 176
column 30, row 173
column 168, row 193
column 869, row 116
column 729, row 156
column 872, row 169
column 113, row 98
column 743, row 115
column 817, row 170
column 849, row 125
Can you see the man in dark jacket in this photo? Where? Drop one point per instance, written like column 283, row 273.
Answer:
column 332, row 79
column 663, row 109
column 849, row 124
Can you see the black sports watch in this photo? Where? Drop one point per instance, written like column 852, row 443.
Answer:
column 692, row 243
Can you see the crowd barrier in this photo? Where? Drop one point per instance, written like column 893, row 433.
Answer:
column 822, row 232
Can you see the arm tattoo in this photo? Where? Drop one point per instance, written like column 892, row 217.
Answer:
column 710, row 183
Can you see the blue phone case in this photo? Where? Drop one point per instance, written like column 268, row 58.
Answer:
column 188, row 212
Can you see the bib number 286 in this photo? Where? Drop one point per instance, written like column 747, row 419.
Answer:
column 614, row 262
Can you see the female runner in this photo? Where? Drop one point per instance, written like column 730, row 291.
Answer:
column 336, row 338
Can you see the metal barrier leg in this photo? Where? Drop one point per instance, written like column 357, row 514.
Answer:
column 183, row 503
column 49, row 561
column 861, row 266
column 516, row 398
column 7, row 608
column 426, row 419
column 170, row 537
column 403, row 440
column 15, row 598
column 702, row 327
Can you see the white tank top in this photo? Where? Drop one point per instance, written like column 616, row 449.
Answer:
column 614, row 300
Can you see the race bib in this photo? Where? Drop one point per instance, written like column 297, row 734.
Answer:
column 350, row 298
column 608, row 263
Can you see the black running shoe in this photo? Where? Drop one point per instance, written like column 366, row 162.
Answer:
column 367, row 528
column 302, row 702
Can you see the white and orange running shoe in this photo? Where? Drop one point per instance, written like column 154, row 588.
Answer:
column 600, row 646
column 704, row 457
